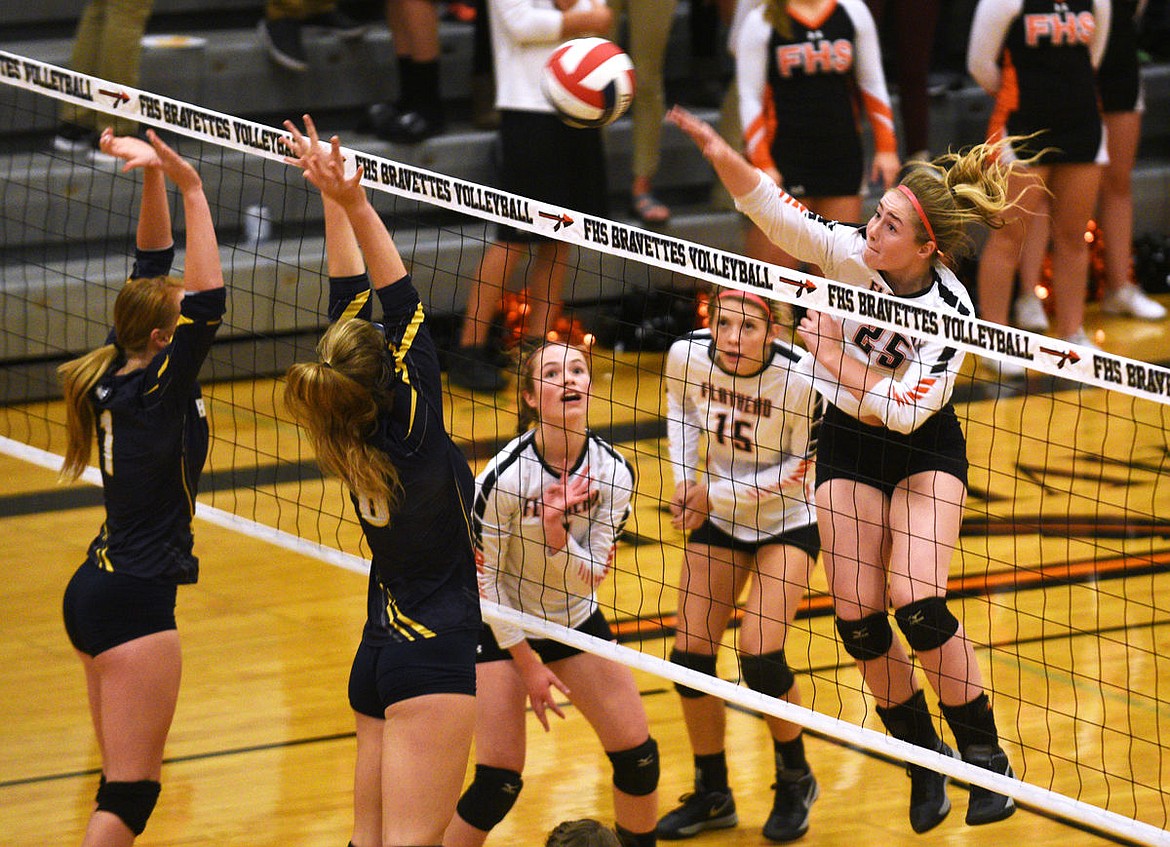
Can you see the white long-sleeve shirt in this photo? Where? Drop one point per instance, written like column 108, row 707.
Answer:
column 524, row 34
column 918, row 373
column 760, row 437
column 516, row 569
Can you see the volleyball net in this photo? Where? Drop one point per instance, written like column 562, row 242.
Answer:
column 1061, row 573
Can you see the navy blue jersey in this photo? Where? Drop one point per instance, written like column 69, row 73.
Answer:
column 152, row 441
column 422, row 581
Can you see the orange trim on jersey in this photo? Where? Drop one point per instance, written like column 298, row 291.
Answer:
column 1007, row 100
column 758, row 138
column 812, row 23
column 881, row 121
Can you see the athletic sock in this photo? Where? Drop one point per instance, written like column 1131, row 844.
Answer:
column 635, row 839
column 790, row 754
column 712, row 771
column 911, row 721
column 972, row 723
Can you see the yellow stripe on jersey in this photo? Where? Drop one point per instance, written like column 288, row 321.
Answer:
column 355, row 305
column 402, row 624
column 183, row 319
column 104, row 560
column 416, row 321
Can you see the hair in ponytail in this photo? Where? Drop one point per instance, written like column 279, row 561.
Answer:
column 142, row 306
column 338, row 400
column 777, row 16
column 969, row 186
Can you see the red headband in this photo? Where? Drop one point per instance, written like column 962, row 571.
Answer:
column 921, row 214
column 749, row 296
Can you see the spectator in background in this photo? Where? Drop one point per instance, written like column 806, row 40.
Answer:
column 805, row 69
column 418, row 113
column 108, row 44
column 534, row 147
column 649, row 23
column 910, row 40
column 1045, row 89
column 1119, row 84
column 281, row 27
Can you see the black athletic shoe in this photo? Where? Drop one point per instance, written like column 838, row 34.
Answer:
column 339, row 23
column 412, row 128
column 469, row 368
column 984, row 806
column 282, row 38
column 795, row 793
column 929, row 803
column 700, row 810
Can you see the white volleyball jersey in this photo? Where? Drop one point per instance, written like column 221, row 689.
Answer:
column 760, row 434
column 516, row 569
column 919, row 373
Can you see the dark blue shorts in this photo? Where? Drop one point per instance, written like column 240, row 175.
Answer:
column 385, row 674
column 548, row 649
column 104, row 609
column 805, row 538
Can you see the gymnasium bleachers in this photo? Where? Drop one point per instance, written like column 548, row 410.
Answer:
column 222, row 66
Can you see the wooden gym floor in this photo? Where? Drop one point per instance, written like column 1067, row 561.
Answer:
column 1063, row 576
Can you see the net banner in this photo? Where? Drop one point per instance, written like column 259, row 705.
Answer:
column 1038, row 352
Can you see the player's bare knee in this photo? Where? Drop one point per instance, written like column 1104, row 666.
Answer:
column 635, row 771
column 868, row 638
column 132, row 802
column 700, row 662
column 927, row 624
column 490, row 796
column 767, row 673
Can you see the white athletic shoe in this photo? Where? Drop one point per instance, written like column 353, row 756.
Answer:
column 1028, row 313
column 1082, row 338
column 1006, row 370
column 1131, row 301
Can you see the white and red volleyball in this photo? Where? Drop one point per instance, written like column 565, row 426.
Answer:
column 589, row 81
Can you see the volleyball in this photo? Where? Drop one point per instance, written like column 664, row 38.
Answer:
column 589, row 81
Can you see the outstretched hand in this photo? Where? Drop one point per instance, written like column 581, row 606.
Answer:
column 709, row 142
column 135, row 152
column 177, row 169
column 325, row 169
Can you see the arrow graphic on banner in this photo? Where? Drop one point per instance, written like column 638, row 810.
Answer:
column 561, row 220
column 119, row 97
column 1064, row 357
column 801, row 286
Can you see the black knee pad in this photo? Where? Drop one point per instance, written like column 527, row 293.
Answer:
column 927, row 624
column 490, row 796
column 768, row 674
column 131, row 801
column 700, row 662
column 635, row 771
column 868, row 638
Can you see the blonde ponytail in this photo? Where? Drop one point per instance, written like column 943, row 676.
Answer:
column 338, row 401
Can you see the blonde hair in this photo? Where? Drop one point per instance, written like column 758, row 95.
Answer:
column 582, row 833
column 526, row 416
column 338, row 401
column 142, row 306
column 776, row 14
column 957, row 189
